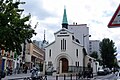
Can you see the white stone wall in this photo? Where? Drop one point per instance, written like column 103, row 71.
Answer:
column 95, row 64
column 69, row 53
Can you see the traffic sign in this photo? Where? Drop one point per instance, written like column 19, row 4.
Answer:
column 115, row 21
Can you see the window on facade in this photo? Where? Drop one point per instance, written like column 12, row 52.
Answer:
column 77, row 52
column 63, row 44
column 50, row 53
column 90, row 48
column 50, row 63
column 89, row 42
column 90, row 45
column 90, row 51
column 76, row 63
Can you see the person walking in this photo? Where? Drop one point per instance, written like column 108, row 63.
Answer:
column 90, row 69
column 25, row 69
column 34, row 73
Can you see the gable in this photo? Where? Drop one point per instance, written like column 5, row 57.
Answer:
column 63, row 31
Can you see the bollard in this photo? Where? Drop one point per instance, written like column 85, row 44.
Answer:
column 70, row 76
column 76, row 76
column 41, row 77
column 45, row 77
column 64, row 77
column 56, row 77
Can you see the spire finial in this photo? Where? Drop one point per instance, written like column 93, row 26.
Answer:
column 64, row 7
column 64, row 21
column 44, row 34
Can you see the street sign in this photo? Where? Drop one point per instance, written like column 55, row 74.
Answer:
column 115, row 21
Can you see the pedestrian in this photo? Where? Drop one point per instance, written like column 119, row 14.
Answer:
column 34, row 72
column 90, row 69
column 25, row 69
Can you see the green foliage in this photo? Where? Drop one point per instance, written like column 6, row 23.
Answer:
column 107, row 49
column 13, row 28
column 94, row 54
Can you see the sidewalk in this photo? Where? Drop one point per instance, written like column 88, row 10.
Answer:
column 94, row 77
column 17, row 76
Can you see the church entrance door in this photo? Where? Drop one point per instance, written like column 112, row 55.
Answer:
column 64, row 65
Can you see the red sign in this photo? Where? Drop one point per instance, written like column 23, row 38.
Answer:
column 115, row 21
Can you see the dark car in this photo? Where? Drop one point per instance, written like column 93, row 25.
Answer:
column 101, row 72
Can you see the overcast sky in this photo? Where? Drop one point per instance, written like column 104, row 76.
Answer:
column 95, row 13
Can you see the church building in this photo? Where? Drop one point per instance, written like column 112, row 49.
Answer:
column 66, row 53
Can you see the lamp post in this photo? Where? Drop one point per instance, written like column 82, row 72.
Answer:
column 84, row 53
column 96, row 66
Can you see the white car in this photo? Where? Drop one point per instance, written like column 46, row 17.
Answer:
column 101, row 72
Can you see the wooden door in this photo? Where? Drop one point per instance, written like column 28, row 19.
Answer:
column 64, row 65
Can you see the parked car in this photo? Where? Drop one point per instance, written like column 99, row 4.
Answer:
column 107, row 70
column 101, row 72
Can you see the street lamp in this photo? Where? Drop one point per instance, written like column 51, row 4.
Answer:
column 84, row 53
column 96, row 66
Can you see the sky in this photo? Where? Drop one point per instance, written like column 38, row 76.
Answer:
column 95, row 13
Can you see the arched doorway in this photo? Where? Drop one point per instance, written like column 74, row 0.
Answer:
column 64, row 65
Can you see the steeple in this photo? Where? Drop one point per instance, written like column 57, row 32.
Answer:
column 64, row 21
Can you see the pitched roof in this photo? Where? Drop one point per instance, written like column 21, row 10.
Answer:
column 63, row 29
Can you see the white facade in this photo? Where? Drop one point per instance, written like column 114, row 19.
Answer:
column 63, row 52
column 81, row 32
column 94, row 46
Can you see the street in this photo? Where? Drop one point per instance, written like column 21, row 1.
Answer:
column 22, row 76
column 111, row 76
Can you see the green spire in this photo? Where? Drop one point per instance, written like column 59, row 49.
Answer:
column 64, row 17
column 64, row 21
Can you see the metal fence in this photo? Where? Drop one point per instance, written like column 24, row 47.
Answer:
column 64, row 77
column 77, row 69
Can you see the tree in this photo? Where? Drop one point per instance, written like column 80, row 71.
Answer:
column 13, row 28
column 107, row 49
column 94, row 54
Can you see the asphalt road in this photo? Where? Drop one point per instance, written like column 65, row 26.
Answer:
column 111, row 76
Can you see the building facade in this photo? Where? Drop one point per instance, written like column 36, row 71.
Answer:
column 94, row 47
column 34, row 55
column 63, row 52
column 81, row 33
column 66, row 52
